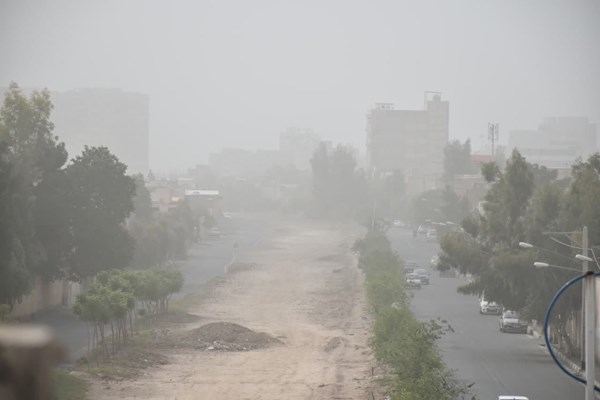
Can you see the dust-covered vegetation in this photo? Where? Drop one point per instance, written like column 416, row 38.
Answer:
column 525, row 203
column 71, row 219
column 405, row 346
column 116, row 299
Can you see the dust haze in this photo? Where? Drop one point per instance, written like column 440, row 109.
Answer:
column 237, row 73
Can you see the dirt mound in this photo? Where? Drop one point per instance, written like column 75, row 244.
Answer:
column 334, row 343
column 226, row 336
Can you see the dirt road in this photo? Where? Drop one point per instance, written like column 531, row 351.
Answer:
column 302, row 288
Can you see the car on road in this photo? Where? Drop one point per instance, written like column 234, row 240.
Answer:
column 410, row 266
column 511, row 321
column 431, row 235
column 489, row 307
column 435, row 260
column 423, row 275
column 448, row 273
column 513, row 398
column 421, row 230
column 413, row 281
column 399, row 224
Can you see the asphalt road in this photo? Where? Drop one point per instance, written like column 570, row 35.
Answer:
column 205, row 261
column 497, row 363
column 208, row 259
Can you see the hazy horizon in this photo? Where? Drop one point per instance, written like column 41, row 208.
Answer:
column 236, row 74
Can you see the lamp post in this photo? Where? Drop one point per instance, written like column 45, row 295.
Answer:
column 588, row 309
column 585, row 269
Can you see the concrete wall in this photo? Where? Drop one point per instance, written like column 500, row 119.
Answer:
column 44, row 295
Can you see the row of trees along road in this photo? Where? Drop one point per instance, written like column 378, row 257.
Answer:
column 522, row 203
column 59, row 219
column 407, row 347
column 117, row 297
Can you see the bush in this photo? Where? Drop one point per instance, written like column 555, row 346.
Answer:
column 406, row 346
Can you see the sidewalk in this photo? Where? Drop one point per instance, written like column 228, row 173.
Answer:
column 570, row 363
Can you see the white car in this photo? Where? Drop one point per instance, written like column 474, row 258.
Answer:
column 399, row 224
column 513, row 398
column 434, row 261
column 489, row 307
column 432, row 235
column 413, row 281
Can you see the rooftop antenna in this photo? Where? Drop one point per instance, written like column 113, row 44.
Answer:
column 493, row 134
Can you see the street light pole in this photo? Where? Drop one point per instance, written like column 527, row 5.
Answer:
column 590, row 321
column 585, row 266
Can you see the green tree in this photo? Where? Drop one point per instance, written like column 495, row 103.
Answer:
column 101, row 200
column 35, row 235
column 340, row 189
column 457, row 159
column 142, row 203
column 517, row 210
column 490, row 171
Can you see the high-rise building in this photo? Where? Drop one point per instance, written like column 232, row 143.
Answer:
column 411, row 141
column 557, row 142
column 113, row 118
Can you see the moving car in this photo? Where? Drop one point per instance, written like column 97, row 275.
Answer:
column 489, row 307
column 513, row 398
column 431, row 235
column 423, row 275
column 510, row 321
column 413, row 281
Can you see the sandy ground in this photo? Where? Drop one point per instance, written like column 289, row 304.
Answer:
column 303, row 288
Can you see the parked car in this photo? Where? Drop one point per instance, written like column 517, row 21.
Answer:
column 413, row 281
column 434, row 261
column 410, row 266
column 511, row 321
column 489, row 307
column 448, row 273
column 399, row 224
column 421, row 230
column 431, row 235
column 423, row 275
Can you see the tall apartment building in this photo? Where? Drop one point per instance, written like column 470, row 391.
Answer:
column 557, row 142
column 104, row 117
column 409, row 140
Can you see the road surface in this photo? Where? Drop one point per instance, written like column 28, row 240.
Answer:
column 498, row 364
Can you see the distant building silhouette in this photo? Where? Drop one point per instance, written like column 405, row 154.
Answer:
column 297, row 147
column 104, row 117
column 557, row 142
column 411, row 141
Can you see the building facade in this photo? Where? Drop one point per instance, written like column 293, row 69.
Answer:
column 411, row 141
column 104, row 117
column 557, row 142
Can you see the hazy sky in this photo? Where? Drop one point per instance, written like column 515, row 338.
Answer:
column 236, row 73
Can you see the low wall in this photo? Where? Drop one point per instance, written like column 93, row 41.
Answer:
column 46, row 294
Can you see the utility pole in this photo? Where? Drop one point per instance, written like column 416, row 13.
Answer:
column 493, row 134
column 585, row 268
column 590, row 322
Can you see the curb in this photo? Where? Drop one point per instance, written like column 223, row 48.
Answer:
column 569, row 364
